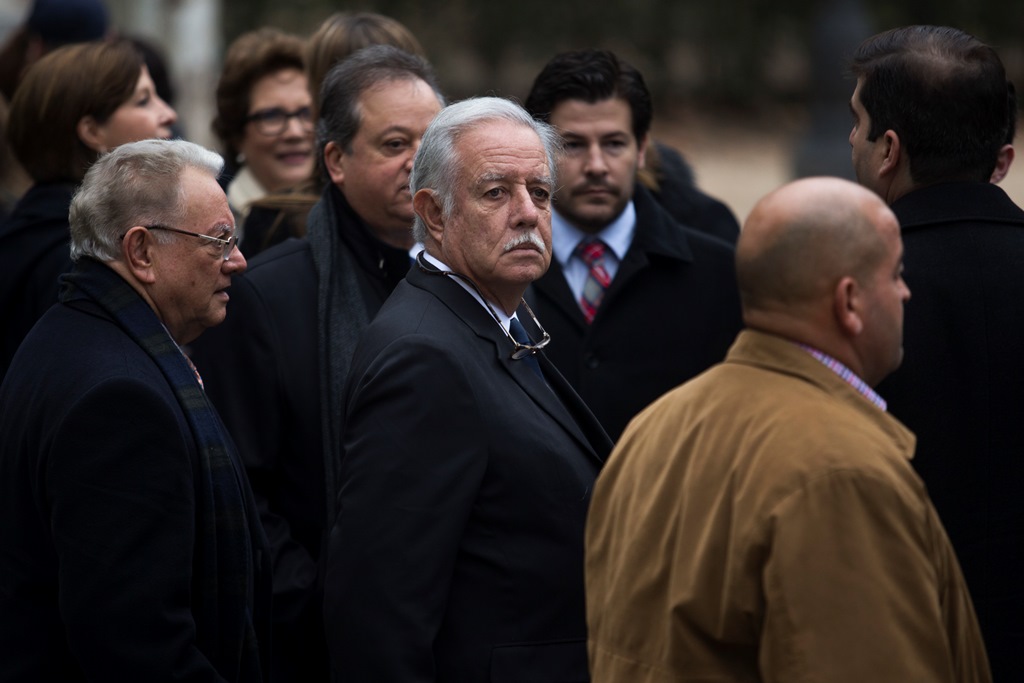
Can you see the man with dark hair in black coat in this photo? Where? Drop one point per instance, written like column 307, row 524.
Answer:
column 635, row 302
column 931, row 115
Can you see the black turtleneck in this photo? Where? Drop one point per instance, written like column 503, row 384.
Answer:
column 383, row 265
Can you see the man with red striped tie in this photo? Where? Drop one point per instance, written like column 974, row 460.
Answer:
column 635, row 302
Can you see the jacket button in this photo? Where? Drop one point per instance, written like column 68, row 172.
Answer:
column 592, row 361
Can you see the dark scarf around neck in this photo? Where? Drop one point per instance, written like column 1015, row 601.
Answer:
column 341, row 317
column 231, row 561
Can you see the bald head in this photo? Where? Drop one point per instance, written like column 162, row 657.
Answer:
column 819, row 261
column 802, row 238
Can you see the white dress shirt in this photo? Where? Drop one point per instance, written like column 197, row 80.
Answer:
column 618, row 235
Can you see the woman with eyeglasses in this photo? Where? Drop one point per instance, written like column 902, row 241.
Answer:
column 264, row 117
column 73, row 105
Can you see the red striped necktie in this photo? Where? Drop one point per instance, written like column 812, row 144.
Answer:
column 591, row 252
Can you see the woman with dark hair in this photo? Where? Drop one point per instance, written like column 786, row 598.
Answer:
column 72, row 105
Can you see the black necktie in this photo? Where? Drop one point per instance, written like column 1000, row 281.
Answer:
column 518, row 332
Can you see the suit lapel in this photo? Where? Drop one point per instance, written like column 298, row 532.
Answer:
column 549, row 398
column 657, row 234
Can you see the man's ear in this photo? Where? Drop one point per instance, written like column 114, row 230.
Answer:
column 335, row 163
column 846, row 306
column 893, row 153
column 137, row 254
column 1003, row 163
column 428, row 208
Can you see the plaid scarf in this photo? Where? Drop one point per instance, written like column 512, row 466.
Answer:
column 231, row 560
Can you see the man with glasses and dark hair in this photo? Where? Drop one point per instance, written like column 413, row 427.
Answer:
column 276, row 368
column 933, row 116
column 457, row 554
column 132, row 548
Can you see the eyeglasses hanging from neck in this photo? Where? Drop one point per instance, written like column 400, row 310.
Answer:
column 521, row 350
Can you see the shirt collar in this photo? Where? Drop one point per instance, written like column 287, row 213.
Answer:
column 618, row 235
column 495, row 309
column 848, row 375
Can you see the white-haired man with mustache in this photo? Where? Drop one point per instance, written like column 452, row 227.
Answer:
column 469, row 460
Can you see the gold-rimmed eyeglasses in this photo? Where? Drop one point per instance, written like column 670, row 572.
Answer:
column 227, row 245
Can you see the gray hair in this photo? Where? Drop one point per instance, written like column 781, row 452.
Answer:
column 436, row 166
column 139, row 183
column 345, row 83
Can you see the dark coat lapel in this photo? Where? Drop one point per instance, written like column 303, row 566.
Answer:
column 656, row 235
column 484, row 326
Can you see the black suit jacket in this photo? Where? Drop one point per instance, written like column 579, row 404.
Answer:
column 960, row 389
column 101, row 534
column 671, row 312
column 458, row 550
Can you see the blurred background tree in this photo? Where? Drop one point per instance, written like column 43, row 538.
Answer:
column 730, row 52
column 755, row 68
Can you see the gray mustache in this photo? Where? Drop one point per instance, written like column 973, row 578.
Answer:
column 531, row 237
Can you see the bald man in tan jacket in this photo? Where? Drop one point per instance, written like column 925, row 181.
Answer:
column 762, row 522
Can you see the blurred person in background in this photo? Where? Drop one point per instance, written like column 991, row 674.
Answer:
column 281, row 215
column 13, row 179
column 50, row 24
column 159, row 71
column 344, row 33
column 73, row 105
column 671, row 181
column 264, row 117
column 932, row 116
column 636, row 301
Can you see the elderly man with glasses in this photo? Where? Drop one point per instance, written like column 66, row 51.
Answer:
column 457, row 554
column 132, row 547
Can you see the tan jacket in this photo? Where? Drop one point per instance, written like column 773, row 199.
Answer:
column 762, row 523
